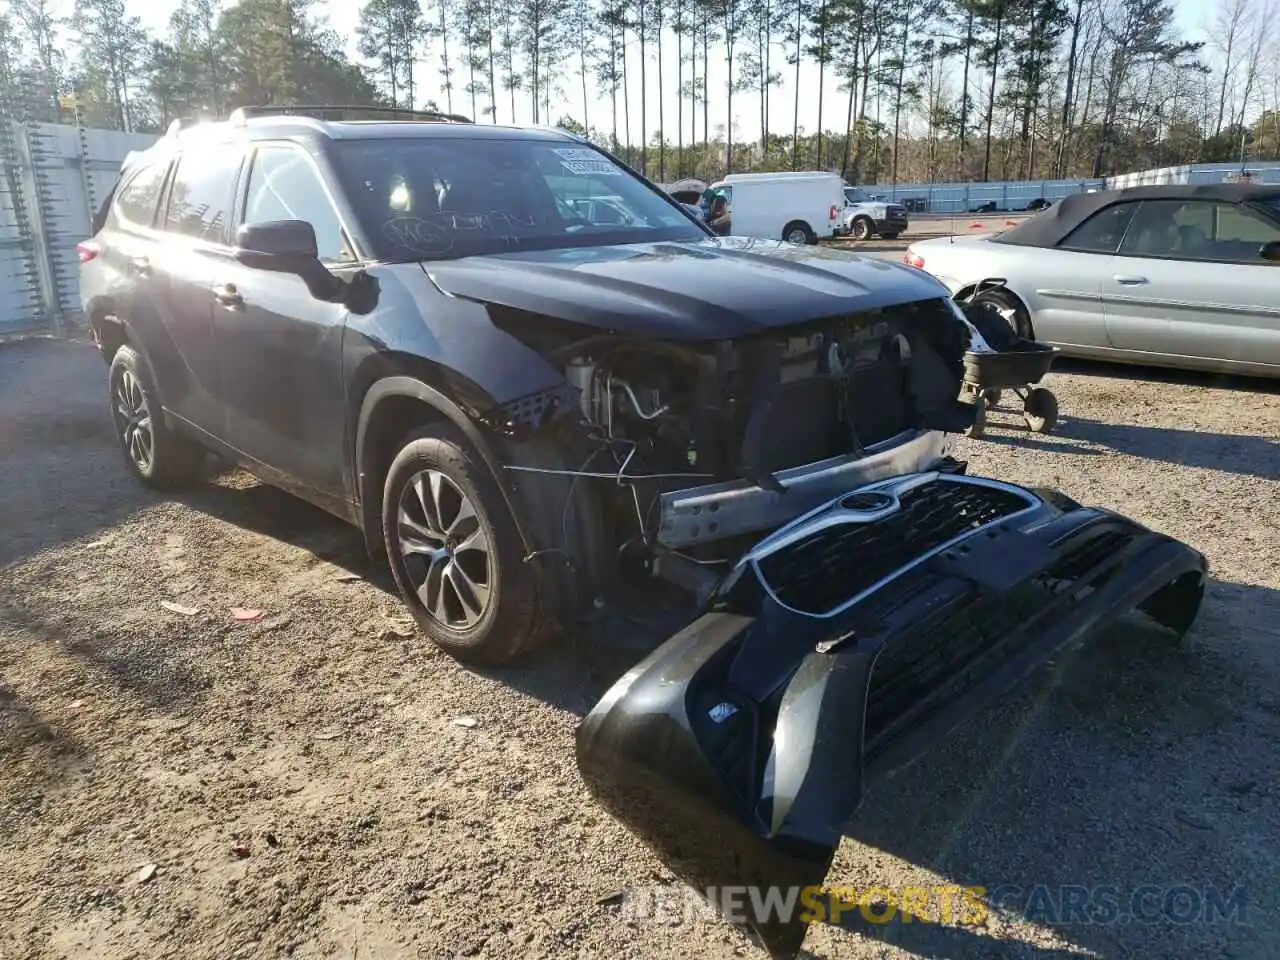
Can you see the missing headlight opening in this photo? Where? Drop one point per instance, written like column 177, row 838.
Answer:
column 674, row 422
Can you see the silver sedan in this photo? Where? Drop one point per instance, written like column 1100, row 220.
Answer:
column 1179, row 276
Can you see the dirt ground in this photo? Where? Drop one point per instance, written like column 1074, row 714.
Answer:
column 188, row 785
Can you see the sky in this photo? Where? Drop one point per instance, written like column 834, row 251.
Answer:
column 344, row 17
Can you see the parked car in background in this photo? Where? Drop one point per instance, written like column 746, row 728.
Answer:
column 867, row 216
column 1181, row 276
column 1039, row 203
column 799, row 207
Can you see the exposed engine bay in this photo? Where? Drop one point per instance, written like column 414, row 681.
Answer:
column 693, row 447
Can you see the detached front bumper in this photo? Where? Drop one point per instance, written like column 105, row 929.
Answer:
column 838, row 650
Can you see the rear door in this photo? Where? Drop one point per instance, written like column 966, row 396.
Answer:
column 281, row 356
column 195, row 224
column 1188, row 282
column 120, row 273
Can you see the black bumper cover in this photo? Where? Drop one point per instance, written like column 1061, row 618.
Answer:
column 739, row 748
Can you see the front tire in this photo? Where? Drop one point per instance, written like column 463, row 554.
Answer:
column 1010, row 308
column 455, row 552
column 862, row 229
column 154, row 453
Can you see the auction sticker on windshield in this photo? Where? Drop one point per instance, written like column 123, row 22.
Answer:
column 586, row 163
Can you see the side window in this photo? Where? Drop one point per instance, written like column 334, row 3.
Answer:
column 1198, row 230
column 721, row 203
column 1242, row 232
column 137, row 202
column 201, row 195
column 283, row 185
column 1102, row 232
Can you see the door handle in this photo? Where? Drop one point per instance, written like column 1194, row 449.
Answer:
column 1128, row 280
column 141, row 266
column 227, row 295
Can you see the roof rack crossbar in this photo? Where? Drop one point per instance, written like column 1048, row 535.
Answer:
column 331, row 111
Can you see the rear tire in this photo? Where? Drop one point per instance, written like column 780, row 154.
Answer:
column 154, row 453
column 455, row 552
column 799, row 233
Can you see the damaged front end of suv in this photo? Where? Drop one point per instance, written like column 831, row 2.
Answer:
column 667, row 446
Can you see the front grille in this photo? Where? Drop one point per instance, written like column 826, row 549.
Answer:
column 818, row 573
column 1076, row 562
column 944, row 656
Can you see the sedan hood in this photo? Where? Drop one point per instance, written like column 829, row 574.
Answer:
column 705, row 290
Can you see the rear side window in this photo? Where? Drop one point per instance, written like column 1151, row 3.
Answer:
column 201, row 196
column 137, row 201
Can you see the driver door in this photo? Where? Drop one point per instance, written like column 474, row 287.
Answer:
column 281, row 348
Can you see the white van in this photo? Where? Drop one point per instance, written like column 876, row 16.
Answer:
column 797, row 207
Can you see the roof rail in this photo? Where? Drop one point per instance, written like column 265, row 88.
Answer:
column 342, row 112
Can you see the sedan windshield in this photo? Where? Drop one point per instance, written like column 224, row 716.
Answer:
column 1272, row 205
column 447, row 197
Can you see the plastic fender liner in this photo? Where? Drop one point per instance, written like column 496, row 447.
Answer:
column 739, row 749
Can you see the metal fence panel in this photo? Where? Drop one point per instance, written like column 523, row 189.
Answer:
column 54, row 179
column 1017, row 195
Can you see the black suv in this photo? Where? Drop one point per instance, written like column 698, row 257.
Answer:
column 522, row 370
column 541, row 388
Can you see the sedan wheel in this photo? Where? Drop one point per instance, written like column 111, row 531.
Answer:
column 445, row 550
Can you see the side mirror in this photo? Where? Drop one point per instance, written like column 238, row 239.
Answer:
column 1270, row 251
column 283, row 246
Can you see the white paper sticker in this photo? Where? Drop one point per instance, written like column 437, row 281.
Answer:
column 586, row 163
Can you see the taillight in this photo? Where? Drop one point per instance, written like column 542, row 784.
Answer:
column 913, row 260
column 835, row 212
column 86, row 250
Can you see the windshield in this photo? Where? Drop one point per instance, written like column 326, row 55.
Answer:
column 1271, row 205
column 447, row 197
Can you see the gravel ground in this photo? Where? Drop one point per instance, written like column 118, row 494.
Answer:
column 187, row 785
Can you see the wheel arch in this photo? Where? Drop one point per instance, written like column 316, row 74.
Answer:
column 389, row 408
column 107, row 328
column 798, row 222
column 1019, row 301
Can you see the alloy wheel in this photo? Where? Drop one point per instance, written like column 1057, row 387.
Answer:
column 445, row 550
column 133, row 421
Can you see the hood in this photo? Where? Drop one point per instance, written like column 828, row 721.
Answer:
column 702, row 290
